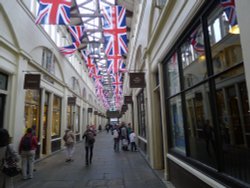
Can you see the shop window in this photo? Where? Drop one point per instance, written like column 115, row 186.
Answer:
column 216, row 106
column 177, row 126
column 226, row 48
column 56, row 118
column 173, row 75
column 233, row 116
column 32, row 110
column 70, row 116
column 141, row 114
column 77, row 119
column 201, row 133
column 193, row 58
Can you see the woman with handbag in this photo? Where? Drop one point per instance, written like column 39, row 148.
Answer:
column 7, row 155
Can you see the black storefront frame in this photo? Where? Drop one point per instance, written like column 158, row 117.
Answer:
column 211, row 172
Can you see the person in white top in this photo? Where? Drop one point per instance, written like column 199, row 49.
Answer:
column 116, row 139
column 132, row 139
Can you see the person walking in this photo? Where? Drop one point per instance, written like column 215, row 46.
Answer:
column 132, row 138
column 116, row 136
column 6, row 151
column 69, row 139
column 27, row 150
column 89, row 136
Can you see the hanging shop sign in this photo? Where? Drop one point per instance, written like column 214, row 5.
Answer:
column 124, row 108
column 32, row 81
column 137, row 80
column 72, row 101
column 128, row 100
column 90, row 110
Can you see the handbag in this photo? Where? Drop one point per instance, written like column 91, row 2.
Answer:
column 10, row 166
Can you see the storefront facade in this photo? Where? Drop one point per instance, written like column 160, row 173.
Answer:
column 47, row 107
column 196, row 94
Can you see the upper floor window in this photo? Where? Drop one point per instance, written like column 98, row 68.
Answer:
column 48, row 61
column 160, row 3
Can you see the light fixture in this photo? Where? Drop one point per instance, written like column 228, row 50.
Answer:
column 235, row 29
column 202, row 57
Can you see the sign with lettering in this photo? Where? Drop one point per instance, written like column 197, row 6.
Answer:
column 128, row 100
column 137, row 80
column 32, row 81
column 71, row 100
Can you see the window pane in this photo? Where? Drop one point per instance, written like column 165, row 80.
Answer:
column 3, row 81
column 141, row 114
column 233, row 117
column 32, row 110
column 177, row 129
column 173, row 75
column 56, row 124
column 200, row 128
column 193, row 58
column 225, row 47
column 77, row 119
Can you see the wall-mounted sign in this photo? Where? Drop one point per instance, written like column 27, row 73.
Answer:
column 128, row 100
column 32, row 81
column 71, row 100
column 90, row 110
column 124, row 108
column 137, row 80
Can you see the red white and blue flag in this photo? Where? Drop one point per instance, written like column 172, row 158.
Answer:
column 115, row 30
column 197, row 41
column 77, row 34
column 115, row 65
column 229, row 8
column 68, row 50
column 54, row 12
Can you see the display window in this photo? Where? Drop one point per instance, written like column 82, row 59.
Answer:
column 209, row 114
column 56, row 118
column 77, row 119
column 32, row 110
column 70, row 119
column 176, row 119
column 193, row 58
column 141, row 114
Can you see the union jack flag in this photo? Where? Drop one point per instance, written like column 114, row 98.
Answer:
column 196, row 41
column 115, row 65
column 77, row 34
column 85, row 54
column 55, row 12
column 115, row 30
column 229, row 8
column 118, row 78
column 68, row 50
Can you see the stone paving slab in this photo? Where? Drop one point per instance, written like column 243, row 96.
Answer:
column 109, row 169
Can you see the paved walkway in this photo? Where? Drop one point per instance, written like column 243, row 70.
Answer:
column 109, row 169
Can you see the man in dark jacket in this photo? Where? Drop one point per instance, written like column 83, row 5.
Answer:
column 89, row 135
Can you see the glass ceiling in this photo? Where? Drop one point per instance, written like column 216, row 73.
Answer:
column 89, row 14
